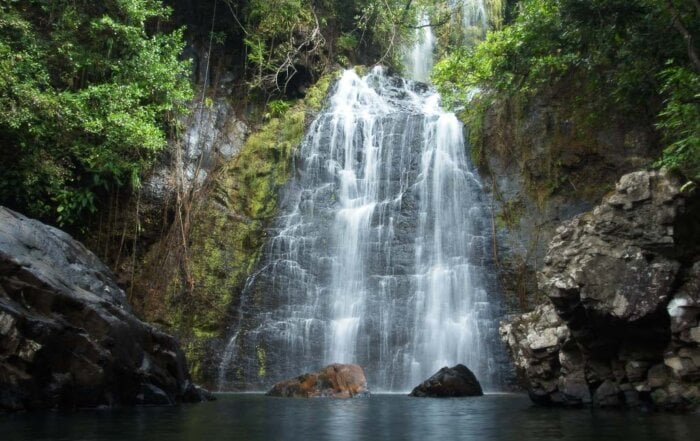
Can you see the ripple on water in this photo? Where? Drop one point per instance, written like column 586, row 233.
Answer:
column 254, row 417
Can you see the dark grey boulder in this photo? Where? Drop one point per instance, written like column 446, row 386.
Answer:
column 68, row 338
column 457, row 381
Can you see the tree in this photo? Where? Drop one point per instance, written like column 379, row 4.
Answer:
column 88, row 93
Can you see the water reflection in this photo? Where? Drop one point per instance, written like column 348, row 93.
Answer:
column 385, row 417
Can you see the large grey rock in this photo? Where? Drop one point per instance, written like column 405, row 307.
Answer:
column 68, row 336
column 457, row 381
column 621, row 282
column 607, row 262
column 213, row 133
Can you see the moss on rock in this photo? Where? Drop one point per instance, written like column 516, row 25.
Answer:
column 192, row 289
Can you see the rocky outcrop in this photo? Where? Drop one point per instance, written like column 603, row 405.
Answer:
column 621, row 322
column 457, row 381
column 333, row 381
column 69, row 338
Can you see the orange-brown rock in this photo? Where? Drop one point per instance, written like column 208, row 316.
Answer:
column 333, row 381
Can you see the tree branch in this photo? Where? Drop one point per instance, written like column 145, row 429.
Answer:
column 430, row 25
column 687, row 36
column 235, row 17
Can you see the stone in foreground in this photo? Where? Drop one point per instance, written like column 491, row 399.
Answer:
column 68, row 336
column 333, row 381
column 457, row 381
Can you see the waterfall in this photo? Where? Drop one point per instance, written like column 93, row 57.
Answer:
column 419, row 58
column 474, row 13
column 381, row 252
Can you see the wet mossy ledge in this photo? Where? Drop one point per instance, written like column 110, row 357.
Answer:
column 193, row 289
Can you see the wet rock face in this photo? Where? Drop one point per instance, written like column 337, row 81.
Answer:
column 457, row 381
column 620, row 325
column 68, row 336
column 333, row 381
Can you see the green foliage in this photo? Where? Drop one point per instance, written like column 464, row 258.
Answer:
column 87, row 94
column 280, row 34
column 622, row 54
column 283, row 35
column 276, row 108
column 347, row 42
column 262, row 360
column 679, row 120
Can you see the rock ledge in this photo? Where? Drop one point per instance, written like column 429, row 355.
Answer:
column 620, row 326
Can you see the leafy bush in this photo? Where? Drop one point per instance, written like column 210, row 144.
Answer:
column 282, row 35
column 679, row 120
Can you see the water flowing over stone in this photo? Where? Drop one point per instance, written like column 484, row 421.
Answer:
column 380, row 252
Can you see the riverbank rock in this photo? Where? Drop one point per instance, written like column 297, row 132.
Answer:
column 333, row 381
column 457, row 381
column 69, row 338
column 620, row 323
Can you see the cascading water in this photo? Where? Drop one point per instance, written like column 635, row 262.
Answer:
column 474, row 13
column 381, row 252
column 419, row 59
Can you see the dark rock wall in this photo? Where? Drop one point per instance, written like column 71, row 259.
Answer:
column 545, row 159
column 68, row 336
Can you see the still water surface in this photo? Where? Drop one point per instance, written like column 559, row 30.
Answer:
column 381, row 417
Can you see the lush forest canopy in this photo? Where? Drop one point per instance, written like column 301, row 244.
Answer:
column 90, row 92
column 633, row 57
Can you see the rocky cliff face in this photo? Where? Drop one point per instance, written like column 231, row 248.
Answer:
column 68, row 336
column 545, row 160
column 620, row 326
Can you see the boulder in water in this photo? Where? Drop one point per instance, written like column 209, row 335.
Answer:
column 457, row 381
column 333, row 381
column 68, row 336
